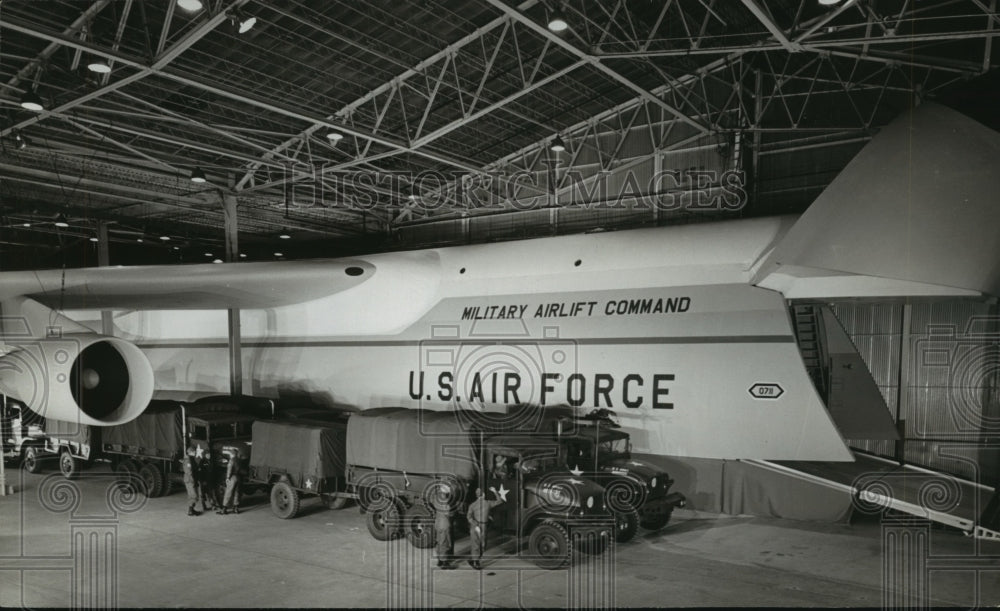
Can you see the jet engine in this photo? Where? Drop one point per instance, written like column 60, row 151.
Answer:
column 89, row 379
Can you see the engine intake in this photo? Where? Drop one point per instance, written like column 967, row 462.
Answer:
column 89, row 379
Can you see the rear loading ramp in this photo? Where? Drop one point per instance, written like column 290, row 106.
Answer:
column 877, row 484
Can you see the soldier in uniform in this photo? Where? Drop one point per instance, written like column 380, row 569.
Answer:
column 206, row 479
column 445, row 549
column 191, row 482
column 231, row 500
column 478, row 515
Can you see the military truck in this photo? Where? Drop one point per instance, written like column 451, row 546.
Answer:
column 299, row 458
column 592, row 446
column 638, row 491
column 76, row 445
column 151, row 446
column 398, row 459
column 222, row 436
column 23, row 434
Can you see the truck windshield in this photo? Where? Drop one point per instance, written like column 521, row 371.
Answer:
column 229, row 430
column 539, row 465
column 615, row 446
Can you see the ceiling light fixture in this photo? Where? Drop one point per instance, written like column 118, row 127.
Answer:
column 284, row 235
column 198, row 175
column 61, row 221
column 32, row 101
column 165, row 238
column 217, row 261
column 829, row 2
column 94, row 239
column 243, row 255
column 190, row 5
column 208, row 254
column 241, row 22
column 557, row 145
column 279, row 254
column 100, row 66
column 25, row 224
column 334, row 136
column 139, row 240
column 557, row 21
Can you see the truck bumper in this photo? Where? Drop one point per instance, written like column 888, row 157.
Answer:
column 662, row 505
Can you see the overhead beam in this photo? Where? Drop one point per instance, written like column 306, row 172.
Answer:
column 772, row 27
column 596, row 63
column 159, row 68
column 210, row 128
column 162, row 61
column 385, row 87
column 85, row 17
column 126, row 147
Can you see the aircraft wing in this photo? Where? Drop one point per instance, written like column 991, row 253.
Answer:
column 188, row 287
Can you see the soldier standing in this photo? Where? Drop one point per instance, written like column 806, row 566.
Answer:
column 206, row 478
column 231, row 500
column 191, row 482
column 445, row 549
column 478, row 515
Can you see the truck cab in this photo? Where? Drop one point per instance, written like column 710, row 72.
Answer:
column 544, row 501
column 223, row 435
column 23, row 434
column 639, row 491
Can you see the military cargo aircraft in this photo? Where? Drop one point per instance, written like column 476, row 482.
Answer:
column 688, row 332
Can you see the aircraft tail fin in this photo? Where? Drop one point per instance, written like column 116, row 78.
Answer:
column 917, row 205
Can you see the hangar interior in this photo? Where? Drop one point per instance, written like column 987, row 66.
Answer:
column 390, row 126
column 249, row 130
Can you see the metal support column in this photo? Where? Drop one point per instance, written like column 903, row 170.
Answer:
column 232, row 255
column 104, row 260
column 903, row 381
column 3, row 472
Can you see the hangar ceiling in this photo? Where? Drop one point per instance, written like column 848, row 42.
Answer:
column 360, row 126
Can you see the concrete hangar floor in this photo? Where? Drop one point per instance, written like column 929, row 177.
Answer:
column 79, row 544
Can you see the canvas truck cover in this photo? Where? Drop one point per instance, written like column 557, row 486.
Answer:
column 299, row 449
column 71, row 431
column 415, row 441
column 157, row 431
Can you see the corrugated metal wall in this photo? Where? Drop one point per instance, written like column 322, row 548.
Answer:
column 948, row 360
column 876, row 330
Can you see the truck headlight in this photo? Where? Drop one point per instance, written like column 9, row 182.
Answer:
column 652, row 483
column 590, row 502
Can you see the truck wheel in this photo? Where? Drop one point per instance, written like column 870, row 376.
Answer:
column 549, row 545
column 68, row 465
column 383, row 524
column 31, row 462
column 658, row 520
column 284, row 501
column 333, row 502
column 420, row 530
column 152, row 480
column 626, row 525
column 128, row 465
